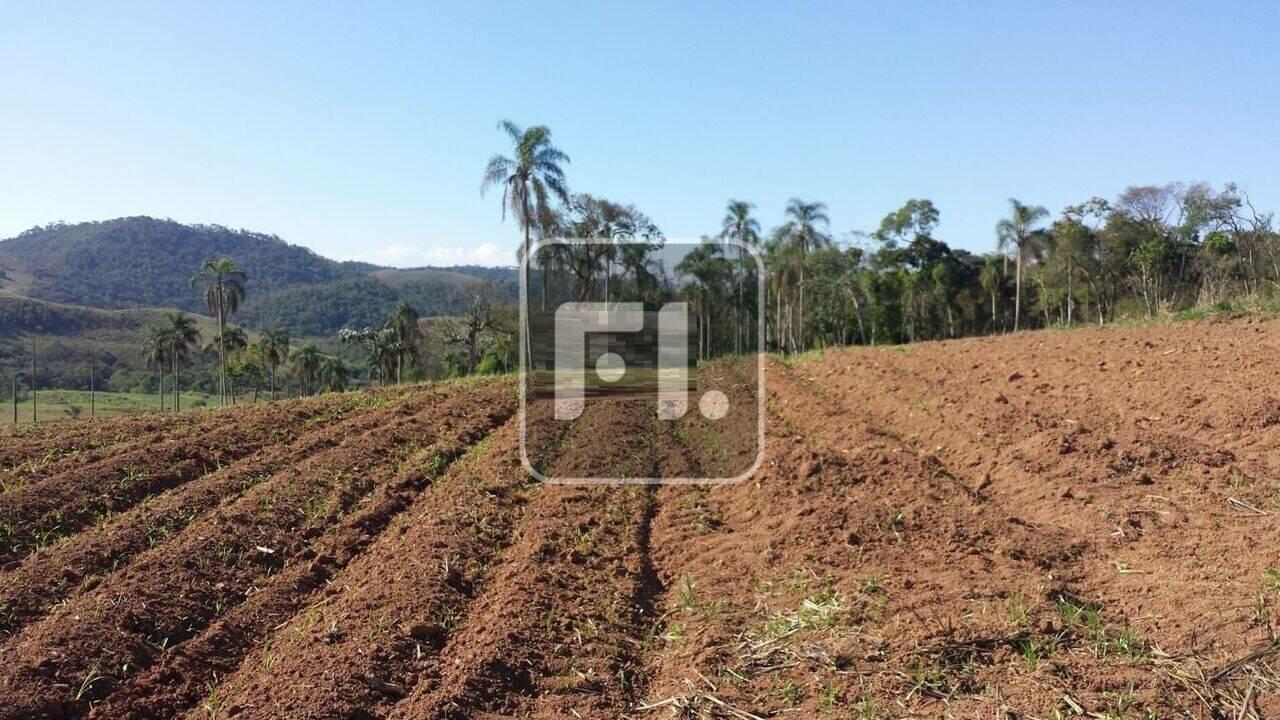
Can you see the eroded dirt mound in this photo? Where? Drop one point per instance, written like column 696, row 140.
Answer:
column 1049, row 524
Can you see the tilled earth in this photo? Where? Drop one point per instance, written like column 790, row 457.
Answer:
column 1043, row 525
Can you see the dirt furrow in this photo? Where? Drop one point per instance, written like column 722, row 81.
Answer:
column 856, row 573
column 359, row 643
column 43, row 513
column 58, row 573
column 22, row 443
column 82, row 442
column 79, row 655
column 553, row 631
column 193, row 671
column 1029, row 461
column 1147, row 497
column 28, row 466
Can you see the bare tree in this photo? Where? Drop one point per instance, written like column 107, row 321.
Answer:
column 474, row 331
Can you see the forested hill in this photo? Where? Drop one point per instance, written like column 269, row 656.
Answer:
column 145, row 262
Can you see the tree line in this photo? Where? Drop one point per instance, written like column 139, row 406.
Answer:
column 405, row 348
column 242, row 367
column 1151, row 250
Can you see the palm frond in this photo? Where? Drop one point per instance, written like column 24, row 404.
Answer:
column 496, row 171
column 511, row 129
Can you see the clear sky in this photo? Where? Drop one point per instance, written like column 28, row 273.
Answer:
column 362, row 132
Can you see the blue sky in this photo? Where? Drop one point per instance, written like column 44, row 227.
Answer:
column 362, row 133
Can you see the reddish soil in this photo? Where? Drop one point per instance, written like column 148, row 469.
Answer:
column 1048, row 524
column 62, row 570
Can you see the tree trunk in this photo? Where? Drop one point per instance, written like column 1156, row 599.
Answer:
column 740, row 330
column 708, row 313
column 1069, row 303
column 1017, row 292
column 222, row 346
column 803, row 249
column 34, row 412
column 777, row 322
column 177, row 384
column 528, row 261
column 543, row 264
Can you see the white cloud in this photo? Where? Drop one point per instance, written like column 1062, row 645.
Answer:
column 398, row 255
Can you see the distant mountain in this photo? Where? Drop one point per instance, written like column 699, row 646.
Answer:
column 140, row 262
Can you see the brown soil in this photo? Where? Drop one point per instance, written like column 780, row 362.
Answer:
column 1049, row 524
column 63, row 570
column 46, row 510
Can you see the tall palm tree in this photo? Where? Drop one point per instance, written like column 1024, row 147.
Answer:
column 155, row 349
column 404, row 323
column 529, row 178
column 332, row 373
column 805, row 217
column 1018, row 230
column 738, row 225
column 990, row 279
column 706, row 268
column 306, row 366
column 782, row 266
column 182, row 335
column 223, row 293
column 231, row 341
column 275, row 350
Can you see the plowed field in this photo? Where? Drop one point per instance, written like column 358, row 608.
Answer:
column 1048, row 524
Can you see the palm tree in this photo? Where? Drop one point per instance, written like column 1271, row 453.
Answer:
column 182, row 335
column 231, row 341
column 223, row 293
column 804, row 233
column 990, row 280
column 404, row 323
column 529, row 178
column 306, row 366
column 380, row 346
column 779, row 268
column 738, row 225
column 275, row 350
column 706, row 268
column 332, row 373
column 155, row 349
column 1018, row 230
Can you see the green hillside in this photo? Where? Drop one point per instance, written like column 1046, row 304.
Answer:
column 145, row 262
column 87, row 292
column 318, row 310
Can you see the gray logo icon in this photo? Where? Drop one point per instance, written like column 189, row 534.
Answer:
column 619, row 380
